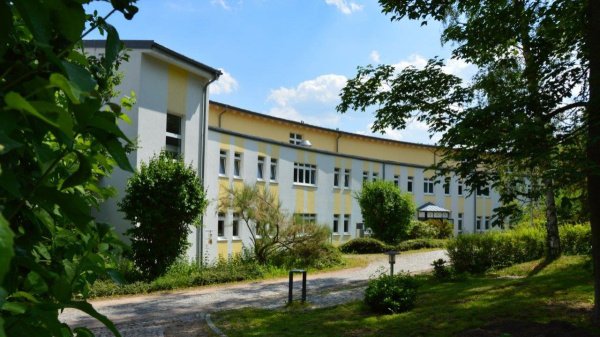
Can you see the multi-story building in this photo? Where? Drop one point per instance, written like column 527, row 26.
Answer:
column 315, row 171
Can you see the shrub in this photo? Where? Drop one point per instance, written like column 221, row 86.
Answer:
column 162, row 200
column 477, row 253
column 391, row 294
column 420, row 244
column 443, row 228
column 422, row 230
column 576, row 239
column 440, row 269
column 386, row 210
column 364, row 246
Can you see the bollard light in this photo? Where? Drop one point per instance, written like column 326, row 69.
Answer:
column 392, row 259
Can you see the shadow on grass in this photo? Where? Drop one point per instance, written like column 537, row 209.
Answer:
column 540, row 266
column 558, row 291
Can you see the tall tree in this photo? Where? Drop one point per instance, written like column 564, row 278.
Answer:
column 519, row 118
column 58, row 138
column 523, row 118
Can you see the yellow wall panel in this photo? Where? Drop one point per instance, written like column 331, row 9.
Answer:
column 177, row 90
column 337, row 202
column 236, row 247
column 448, row 203
column 223, row 249
column 429, row 198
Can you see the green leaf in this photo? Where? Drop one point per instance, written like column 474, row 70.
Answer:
column 10, row 183
column 80, row 77
column 69, row 17
column 116, row 150
column 7, row 143
column 61, row 289
column 16, row 101
column 36, row 17
column 61, row 82
column 6, row 26
column 83, row 173
column 88, row 309
column 15, row 307
column 25, row 295
column 112, row 47
column 106, row 121
column 62, row 117
column 83, row 332
column 6, row 246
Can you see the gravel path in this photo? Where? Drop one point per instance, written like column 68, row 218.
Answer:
column 161, row 314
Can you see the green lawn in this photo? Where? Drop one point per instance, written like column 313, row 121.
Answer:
column 533, row 291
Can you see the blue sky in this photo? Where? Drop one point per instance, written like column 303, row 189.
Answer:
column 289, row 58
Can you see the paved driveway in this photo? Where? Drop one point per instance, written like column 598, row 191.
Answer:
column 150, row 315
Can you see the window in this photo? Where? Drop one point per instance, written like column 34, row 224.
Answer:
column 478, row 223
column 223, row 163
column 295, row 138
column 409, row 184
column 460, row 222
column 221, row 225
column 375, row 176
column 346, row 223
column 428, row 186
column 173, row 137
column 273, row 175
column 487, row 222
column 237, row 165
column 460, row 187
column 336, row 223
column 447, row 186
column 483, row 191
column 397, row 180
column 365, row 176
column 346, row 178
column 305, row 174
column 336, row 177
column 306, row 217
column 260, row 168
column 236, row 225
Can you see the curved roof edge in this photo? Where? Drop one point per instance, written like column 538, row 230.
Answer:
column 434, row 147
column 150, row 44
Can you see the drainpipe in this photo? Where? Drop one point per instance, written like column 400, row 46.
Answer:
column 203, row 132
column 220, row 115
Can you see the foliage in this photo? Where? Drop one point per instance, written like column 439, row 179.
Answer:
column 364, row 246
column 162, row 200
column 277, row 237
column 415, row 244
column 443, row 228
column 58, row 138
column 386, row 210
column 440, row 269
column 477, row 253
column 422, row 230
column 391, row 294
column 557, row 292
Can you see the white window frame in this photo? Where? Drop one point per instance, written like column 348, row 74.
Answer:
column 397, row 180
column 428, row 186
column 221, row 226
column 365, row 176
column 488, row 224
column 305, row 174
column 260, row 168
column 410, row 184
column 447, row 185
column 273, row 170
column 347, row 178
column 237, row 165
column 335, row 228
column 178, row 137
column 223, row 163
column 374, row 176
column 235, row 226
column 346, row 223
column 295, row 138
column 459, row 222
column 460, row 187
column 336, row 177
column 478, row 223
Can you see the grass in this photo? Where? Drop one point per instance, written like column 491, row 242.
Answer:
column 533, row 291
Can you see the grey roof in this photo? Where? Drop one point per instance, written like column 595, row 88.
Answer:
column 150, row 44
column 429, row 207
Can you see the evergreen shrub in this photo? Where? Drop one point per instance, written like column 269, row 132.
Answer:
column 391, row 294
column 364, row 246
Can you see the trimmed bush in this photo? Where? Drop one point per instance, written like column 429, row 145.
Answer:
column 422, row 230
column 391, row 294
column 364, row 246
column 420, row 244
column 576, row 239
column 444, row 229
column 477, row 253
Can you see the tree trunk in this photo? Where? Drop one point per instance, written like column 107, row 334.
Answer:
column 593, row 144
column 552, row 238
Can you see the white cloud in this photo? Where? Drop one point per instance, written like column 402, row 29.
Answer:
column 415, row 132
column 224, row 85
column 375, row 57
column 312, row 101
column 414, row 60
column 345, row 6
column 324, row 89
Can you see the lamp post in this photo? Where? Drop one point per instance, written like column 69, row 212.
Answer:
column 392, row 259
